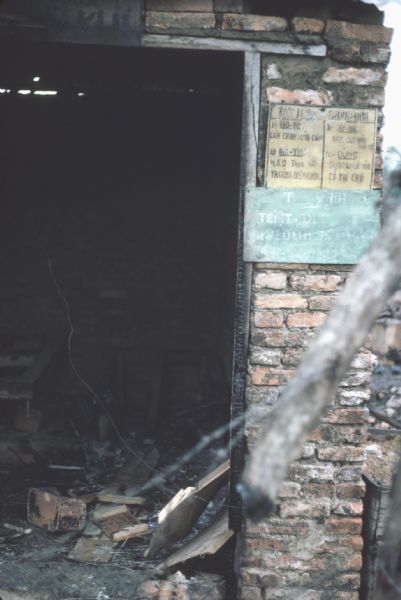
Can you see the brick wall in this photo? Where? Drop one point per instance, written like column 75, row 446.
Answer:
column 311, row 548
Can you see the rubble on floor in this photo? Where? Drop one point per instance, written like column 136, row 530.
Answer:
column 178, row 587
column 76, row 507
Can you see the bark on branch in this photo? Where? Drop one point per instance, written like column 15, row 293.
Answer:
column 324, row 365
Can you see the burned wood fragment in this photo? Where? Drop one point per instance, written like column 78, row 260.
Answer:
column 51, row 511
column 208, row 541
column 179, row 515
column 92, row 550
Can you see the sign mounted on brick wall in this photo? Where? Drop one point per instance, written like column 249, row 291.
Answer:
column 320, row 147
column 309, row 226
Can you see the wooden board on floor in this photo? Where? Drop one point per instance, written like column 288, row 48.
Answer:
column 208, row 541
column 177, row 518
column 92, row 550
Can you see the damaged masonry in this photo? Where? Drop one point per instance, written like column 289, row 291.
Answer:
column 186, row 187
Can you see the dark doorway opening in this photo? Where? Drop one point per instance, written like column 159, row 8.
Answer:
column 119, row 227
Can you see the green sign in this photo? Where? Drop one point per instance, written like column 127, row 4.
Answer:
column 309, row 226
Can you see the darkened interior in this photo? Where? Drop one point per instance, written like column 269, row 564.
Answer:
column 118, row 243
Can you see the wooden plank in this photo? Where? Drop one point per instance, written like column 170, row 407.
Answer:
column 105, row 511
column 208, row 541
column 228, row 45
column 309, row 226
column 117, row 523
column 177, row 518
column 92, row 550
column 121, row 498
column 131, row 531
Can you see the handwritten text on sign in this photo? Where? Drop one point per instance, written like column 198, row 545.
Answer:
column 320, row 147
column 309, row 226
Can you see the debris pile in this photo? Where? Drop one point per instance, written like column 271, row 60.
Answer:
column 94, row 500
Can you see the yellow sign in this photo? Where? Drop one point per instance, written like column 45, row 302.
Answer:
column 320, row 147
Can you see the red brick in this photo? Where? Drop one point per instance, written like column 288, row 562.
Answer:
column 352, row 563
column 253, row 23
column 349, row 474
column 289, row 563
column 279, row 338
column 250, row 593
column 348, row 434
column 350, row 490
column 363, row 360
column 312, row 508
column 265, row 356
column 292, row 357
column 308, row 451
column 341, row 454
column 359, row 378
column 312, row 473
column 280, row 301
column 306, row 319
column 322, row 490
column 305, row 25
column 316, row 283
column 275, row 338
column 344, row 525
column 355, row 76
column 347, row 416
column 274, row 281
column 274, row 543
column 324, row 302
column 343, row 544
column 267, row 376
column 289, row 489
column 346, row 508
column 277, row 526
column 259, row 577
column 164, row 21
column 350, row 581
column 362, row 33
column 316, row 435
column 268, row 319
column 375, row 54
column 312, row 97
column 354, row 397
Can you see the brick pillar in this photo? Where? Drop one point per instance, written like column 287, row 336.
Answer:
column 311, row 548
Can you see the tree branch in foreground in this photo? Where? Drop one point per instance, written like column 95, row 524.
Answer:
column 311, row 390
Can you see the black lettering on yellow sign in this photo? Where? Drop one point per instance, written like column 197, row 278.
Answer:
column 320, row 147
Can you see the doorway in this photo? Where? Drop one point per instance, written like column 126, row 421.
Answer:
column 119, row 240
